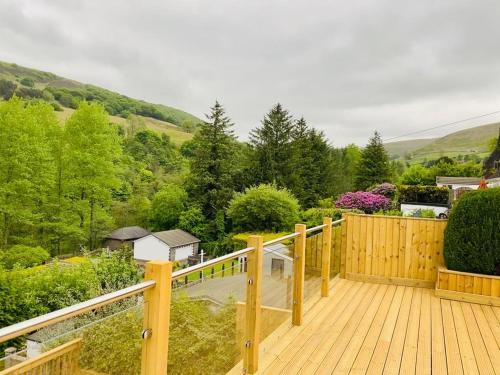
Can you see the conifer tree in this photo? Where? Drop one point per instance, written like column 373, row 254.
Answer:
column 211, row 180
column 373, row 166
column 272, row 145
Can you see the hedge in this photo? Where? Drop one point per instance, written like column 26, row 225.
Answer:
column 423, row 194
column 472, row 237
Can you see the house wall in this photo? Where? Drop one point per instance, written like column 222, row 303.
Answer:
column 182, row 253
column 457, row 186
column 409, row 209
column 151, row 248
column 268, row 261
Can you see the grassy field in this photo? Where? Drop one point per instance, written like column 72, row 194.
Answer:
column 176, row 135
column 472, row 141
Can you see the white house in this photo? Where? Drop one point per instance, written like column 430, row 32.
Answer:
column 277, row 261
column 172, row 245
column 459, row 182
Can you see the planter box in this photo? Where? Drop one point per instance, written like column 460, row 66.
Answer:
column 468, row 287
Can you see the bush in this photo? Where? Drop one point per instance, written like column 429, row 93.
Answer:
column 389, row 213
column 424, row 212
column 314, row 216
column 386, row 189
column 24, row 256
column 263, row 208
column 364, row 201
column 417, row 175
column 28, row 82
column 472, row 237
column 423, row 194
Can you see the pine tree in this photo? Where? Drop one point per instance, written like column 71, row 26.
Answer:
column 211, row 182
column 272, row 145
column 373, row 167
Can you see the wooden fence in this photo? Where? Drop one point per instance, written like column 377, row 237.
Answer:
column 392, row 249
column 314, row 252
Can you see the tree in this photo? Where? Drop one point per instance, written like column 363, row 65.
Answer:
column 92, row 151
column 373, row 167
column 416, row 175
column 167, row 205
column 7, row 89
column 26, row 165
column 263, row 208
column 272, row 145
column 193, row 221
column 211, row 180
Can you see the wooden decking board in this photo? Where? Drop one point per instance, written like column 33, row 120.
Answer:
column 365, row 328
column 332, row 331
column 310, row 338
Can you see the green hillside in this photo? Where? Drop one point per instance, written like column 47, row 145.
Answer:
column 399, row 149
column 66, row 93
column 472, row 141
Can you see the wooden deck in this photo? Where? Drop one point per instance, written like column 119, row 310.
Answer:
column 365, row 328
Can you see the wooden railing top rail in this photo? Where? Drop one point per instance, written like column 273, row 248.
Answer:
column 30, row 325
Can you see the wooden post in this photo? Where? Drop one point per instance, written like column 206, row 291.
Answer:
column 325, row 256
column 156, row 318
column 299, row 268
column 253, row 309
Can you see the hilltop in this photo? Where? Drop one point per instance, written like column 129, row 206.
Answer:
column 64, row 94
column 472, row 141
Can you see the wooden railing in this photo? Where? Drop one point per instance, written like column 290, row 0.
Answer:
column 157, row 289
column 392, row 249
column 58, row 361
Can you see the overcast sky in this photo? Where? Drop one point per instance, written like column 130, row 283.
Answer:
column 348, row 67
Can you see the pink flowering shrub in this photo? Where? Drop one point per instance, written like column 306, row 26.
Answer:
column 386, row 189
column 364, row 201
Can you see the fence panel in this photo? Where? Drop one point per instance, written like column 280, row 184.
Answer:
column 392, row 249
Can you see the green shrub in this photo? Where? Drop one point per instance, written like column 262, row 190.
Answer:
column 263, row 208
column 472, row 237
column 389, row 213
column 314, row 216
column 28, row 82
column 422, row 194
column 23, row 256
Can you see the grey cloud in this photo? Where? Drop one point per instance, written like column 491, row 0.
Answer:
column 348, row 67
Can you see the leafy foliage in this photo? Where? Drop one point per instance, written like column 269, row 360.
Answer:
column 386, row 189
column 23, row 256
column 364, row 201
column 168, row 204
column 314, row 216
column 373, row 167
column 472, row 237
column 423, row 194
column 263, row 208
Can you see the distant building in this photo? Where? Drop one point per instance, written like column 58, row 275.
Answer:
column 124, row 236
column 172, row 245
column 459, row 182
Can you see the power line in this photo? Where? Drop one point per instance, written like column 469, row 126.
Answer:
column 441, row 126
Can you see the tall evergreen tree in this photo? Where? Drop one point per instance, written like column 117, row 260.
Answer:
column 373, row 167
column 272, row 145
column 211, row 181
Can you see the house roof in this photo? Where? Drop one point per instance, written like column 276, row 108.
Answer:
column 458, row 180
column 127, row 233
column 176, row 237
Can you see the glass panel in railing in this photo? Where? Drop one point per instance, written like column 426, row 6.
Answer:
column 335, row 252
column 277, row 287
column 104, row 341
column 207, row 319
column 312, row 283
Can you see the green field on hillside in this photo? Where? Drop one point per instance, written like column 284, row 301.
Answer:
column 66, row 93
column 472, row 141
column 176, row 134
